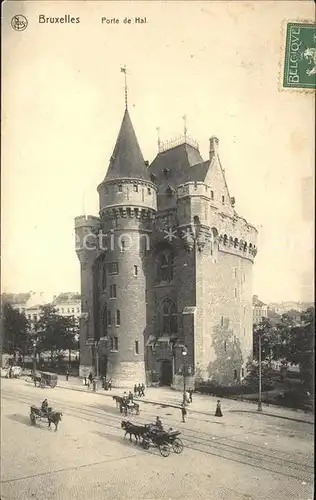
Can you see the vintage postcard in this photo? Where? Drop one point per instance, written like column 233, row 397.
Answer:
column 157, row 298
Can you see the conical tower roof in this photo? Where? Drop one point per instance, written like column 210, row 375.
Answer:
column 127, row 160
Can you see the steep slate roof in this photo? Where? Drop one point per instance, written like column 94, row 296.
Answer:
column 181, row 162
column 127, row 159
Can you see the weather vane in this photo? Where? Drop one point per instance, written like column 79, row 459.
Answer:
column 159, row 142
column 185, row 126
column 124, row 70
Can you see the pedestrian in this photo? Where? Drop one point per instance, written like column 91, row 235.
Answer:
column 90, row 377
column 139, row 389
column 159, row 424
column 135, row 390
column 67, row 375
column 110, row 384
column 143, row 390
column 183, row 413
column 85, row 380
column 190, row 395
column 218, row 412
column 130, row 396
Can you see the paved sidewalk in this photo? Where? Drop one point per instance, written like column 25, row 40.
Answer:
column 202, row 404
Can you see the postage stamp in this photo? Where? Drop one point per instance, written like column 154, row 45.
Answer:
column 300, row 56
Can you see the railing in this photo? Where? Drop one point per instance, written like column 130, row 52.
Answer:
column 164, row 146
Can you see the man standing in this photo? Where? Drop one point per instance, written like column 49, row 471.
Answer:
column 190, row 391
column 183, row 412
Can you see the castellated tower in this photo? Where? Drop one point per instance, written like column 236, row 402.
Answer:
column 166, row 270
column 114, row 282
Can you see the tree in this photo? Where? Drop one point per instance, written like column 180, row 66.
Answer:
column 300, row 347
column 15, row 330
column 55, row 333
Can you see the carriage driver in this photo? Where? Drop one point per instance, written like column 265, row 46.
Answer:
column 159, row 423
column 44, row 406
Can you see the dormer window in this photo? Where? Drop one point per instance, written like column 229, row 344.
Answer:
column 212, row 195
column 120, row 188
column 166, row 172
column 135, row 187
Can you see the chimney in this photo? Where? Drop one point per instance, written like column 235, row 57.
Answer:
column 214, row 143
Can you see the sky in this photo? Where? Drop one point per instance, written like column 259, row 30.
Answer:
column 218, row 63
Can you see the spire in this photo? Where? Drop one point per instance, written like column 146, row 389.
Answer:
column 127, row 159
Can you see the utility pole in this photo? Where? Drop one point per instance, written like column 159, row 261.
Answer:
column 184, row 354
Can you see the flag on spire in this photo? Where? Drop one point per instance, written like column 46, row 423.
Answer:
column 123, row 70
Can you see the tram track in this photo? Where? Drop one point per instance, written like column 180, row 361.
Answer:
column 198, row 441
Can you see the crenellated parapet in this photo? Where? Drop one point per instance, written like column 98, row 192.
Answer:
column 131, row 192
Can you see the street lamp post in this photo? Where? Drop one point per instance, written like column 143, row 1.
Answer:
column 34, row 357
column 260, row 374
column 184, row 354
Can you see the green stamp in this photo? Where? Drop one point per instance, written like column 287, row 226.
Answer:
column 300, row 56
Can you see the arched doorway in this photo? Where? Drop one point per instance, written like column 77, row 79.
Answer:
column 165, row 372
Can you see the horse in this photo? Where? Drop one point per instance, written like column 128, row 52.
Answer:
column 136, row 430
column 118, row 400
column 54, row 417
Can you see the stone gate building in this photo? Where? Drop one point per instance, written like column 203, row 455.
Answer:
column 166, row 269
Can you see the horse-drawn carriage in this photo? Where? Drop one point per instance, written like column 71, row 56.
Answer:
column 151, row 435
column 37, row 413
column 45, row 379
column 126, row 406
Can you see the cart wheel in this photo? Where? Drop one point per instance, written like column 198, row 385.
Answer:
column 42, row 385
column 164, row 450
column 33, row 419
column 145, row 444
column 177, row 446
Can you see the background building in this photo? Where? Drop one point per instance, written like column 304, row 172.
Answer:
column 66, row 304
column 259, row 310
column 173, row 268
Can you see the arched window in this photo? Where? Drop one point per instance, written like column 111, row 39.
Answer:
column 225, row 239
column 169, row 317
column 164, row 266
column 236, row 242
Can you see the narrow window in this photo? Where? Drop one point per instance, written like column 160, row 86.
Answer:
column 123, row 246
column 135, row 188
column 113, row 291
column 109, row 318
column 112, row 343
column 113, row 268
column 136, row 347
column 148, row 190
column 136, row 212
column 223, row 200
column 235, row 374
column 135, row 270
column 235, row 292
column 225, row 346
column 72, row 310
column 235, row 272
column 212, row 195
column 222, row 321
column 120, row 188
column 242, row 372
column 115, row 344
column 118, row 317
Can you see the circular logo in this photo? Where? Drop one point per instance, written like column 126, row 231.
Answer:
column 19, row 22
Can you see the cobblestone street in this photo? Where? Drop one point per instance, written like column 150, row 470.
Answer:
column 242, row 456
